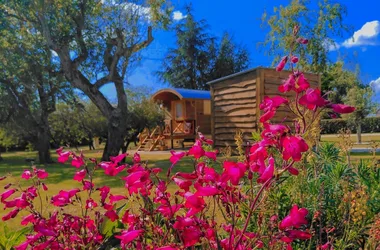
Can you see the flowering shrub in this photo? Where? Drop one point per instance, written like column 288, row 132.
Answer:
column 210, row 209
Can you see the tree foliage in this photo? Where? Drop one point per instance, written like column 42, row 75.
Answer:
column 320, row 24
column 95, row 43
column 338, row 81
column 76, row 123
column 199, row 57
column 30, row 83
column 361, row 98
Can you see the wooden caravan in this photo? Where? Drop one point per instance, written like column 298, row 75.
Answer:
column 186, row 110
column 236, row 98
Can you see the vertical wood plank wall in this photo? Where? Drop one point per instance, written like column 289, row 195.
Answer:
column 235, row 102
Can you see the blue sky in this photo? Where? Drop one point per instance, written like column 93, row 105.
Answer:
column 242, row 18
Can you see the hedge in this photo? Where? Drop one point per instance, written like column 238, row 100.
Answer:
column 332, row 126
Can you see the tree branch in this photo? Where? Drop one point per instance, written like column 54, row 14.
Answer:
column 137, row 47
column 79, row 21
column 102, row 81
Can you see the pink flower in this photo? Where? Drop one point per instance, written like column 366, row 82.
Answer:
column 22, row 246
column 205, row 191
column 204, row 139
column 293, row 146
column 128, row 236
column 302, row 40
column 63, row 198
column 41, row 174
column 137, row 181
column 174, row 158
column 211, row 155
column 136, row 158
column 31, row 192
column 2, row 178
column 182, row 184
column 274, row 130
column 191, row 236
column 26, row 174
column 266, row 173
column 112, row 215
column 79, row 176
column 194, row 203
column 282, row 63
column 28, row 219
column 119, row 158
column 169, row 211
column 326, row 246
column 11, row 214
column 298, row 234
column 288, row 84
column 187, row 176
column 44, row 230
column 63, row 156
column 234, row 171
column 87, row 185
column 296, row 218
column 44, row 187
column 342, row 109
column 293, row 171
column 111, row 168
column 19, row 202
column 116, row 198
column 6, row 194
column 270, row 105
column 90, row 204
column 77, row 161
column 128, row 218
column 301, row 83
column 104, row 191
column 296, row 82
column 196, row 150
column 312, row 99
column 294, row 59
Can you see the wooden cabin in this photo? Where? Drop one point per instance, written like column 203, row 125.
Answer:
column 235, row 102
column 186, row 110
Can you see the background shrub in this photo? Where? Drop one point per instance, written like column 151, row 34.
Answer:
column 332, row 126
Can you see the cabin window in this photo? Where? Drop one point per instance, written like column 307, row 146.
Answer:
column 179, row 111
column 207, row 108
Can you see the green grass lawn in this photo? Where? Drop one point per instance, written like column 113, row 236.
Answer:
column 366, row 138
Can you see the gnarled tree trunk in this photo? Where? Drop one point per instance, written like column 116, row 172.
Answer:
column 359, row 132
column 43, row 146
column 117, row 126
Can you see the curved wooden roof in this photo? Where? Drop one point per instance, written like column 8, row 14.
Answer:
column 181, row 94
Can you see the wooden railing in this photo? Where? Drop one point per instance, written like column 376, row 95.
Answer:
column 180, row 127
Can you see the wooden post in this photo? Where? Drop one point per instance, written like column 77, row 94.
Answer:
column 171, row 134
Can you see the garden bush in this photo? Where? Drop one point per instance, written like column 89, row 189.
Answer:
column 333, row 126
column 281, row 195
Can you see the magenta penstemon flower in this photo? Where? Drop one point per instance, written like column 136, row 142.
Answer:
column 342, row 109
column 128, row 236
column 282, row 63
column 293, row 147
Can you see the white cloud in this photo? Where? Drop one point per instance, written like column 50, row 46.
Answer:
column 364, row 36
column 375, row 85
column 331, row 45
column 177, row 15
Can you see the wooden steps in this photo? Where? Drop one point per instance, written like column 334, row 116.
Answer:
column 151, row 141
